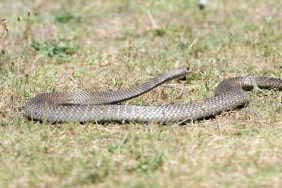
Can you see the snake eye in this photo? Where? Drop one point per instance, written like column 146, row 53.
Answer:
column 189, row 69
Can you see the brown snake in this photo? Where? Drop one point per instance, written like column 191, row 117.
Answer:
column 99, row 106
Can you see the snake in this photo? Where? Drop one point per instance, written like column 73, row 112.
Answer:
column 106, row 106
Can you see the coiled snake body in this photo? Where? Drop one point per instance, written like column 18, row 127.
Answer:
column 100, row 107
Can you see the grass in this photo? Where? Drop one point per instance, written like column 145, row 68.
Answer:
column 107, row 45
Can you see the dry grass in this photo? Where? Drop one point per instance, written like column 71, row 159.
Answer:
column 102, row 45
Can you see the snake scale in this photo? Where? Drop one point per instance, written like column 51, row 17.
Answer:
column 99, row 106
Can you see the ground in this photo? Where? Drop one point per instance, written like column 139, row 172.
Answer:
column 71, row 45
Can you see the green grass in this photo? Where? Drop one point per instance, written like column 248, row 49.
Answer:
column 108, row 45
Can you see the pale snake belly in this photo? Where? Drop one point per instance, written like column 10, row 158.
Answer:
column 99, row 106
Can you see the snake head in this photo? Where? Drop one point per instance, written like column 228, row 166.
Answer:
column 177, row 73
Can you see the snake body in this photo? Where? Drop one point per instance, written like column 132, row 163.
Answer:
column 99, row 106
